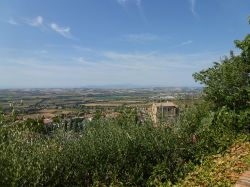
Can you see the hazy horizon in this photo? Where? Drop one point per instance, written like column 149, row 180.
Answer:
column 124, row 86
column 72, row 44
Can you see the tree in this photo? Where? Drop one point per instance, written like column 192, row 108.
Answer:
column 228, row 83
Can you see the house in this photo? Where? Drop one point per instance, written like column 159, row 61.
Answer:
column 163, row 111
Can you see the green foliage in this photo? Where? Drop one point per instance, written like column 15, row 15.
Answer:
column 227, row 87
column 244, row 45
column 97, row 115
column 33, row 125
column 118, row 152
column 239, row 120
column 228, row 83
column 198, row 136
column 126, row 151
column 128, row 116
column 206, row 135
column 1, row 116
column 56, row 119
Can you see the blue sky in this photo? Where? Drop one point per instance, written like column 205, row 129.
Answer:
column 63, row 43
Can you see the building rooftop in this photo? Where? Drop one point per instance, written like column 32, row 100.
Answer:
column 166, row 104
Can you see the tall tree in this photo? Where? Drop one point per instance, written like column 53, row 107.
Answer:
column 228, row 83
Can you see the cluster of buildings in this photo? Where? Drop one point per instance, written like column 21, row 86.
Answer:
column 159, row 112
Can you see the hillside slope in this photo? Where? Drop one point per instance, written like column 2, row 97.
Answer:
column 221, row 169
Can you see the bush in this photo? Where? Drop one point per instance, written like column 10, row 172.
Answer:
column 106, row 153
column 116, row 152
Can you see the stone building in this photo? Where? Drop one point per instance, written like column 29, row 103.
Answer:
column 163, row 111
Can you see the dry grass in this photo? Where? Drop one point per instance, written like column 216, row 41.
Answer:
column 222, row 169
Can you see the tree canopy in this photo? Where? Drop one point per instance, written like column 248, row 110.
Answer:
column 227, row 83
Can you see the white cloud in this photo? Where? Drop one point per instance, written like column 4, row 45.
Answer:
column 36, row 22
column 157, row 63
column 83, row 49
column 122, row 2
column 40, row 23
column 43, row 51
column 76, row 68
column 140, row 38
column 192, row 7
column 185, row 43
column 12, row 22
column 64, row 31
column 138, row 3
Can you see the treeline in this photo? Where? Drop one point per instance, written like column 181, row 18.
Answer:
column 124, row 152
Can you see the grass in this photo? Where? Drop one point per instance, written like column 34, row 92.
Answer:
column 221, row 169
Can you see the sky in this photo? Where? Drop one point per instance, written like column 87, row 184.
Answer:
column 63, row 43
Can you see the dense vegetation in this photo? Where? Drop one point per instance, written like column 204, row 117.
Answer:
column 126, row 152
column 221, row 169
